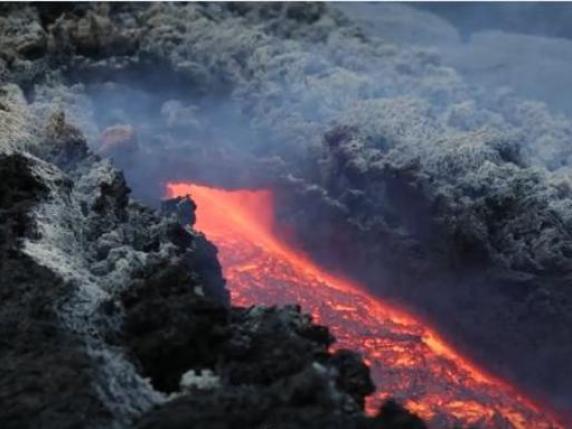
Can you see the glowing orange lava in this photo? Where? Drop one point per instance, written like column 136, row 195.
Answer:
column 408, row 360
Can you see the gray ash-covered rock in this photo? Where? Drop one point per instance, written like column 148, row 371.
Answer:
column 487, row 247
column 384, row 159
column 45, row 372
column 457, row 198
column 305, row 400
column 110, row 312
column 60, row 365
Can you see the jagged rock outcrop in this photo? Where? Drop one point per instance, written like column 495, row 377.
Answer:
column 57, row 371
column 301, row 401
column 72, row 240
column 44, row 371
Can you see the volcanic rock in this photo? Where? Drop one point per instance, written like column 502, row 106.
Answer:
column 183, row 207
column 106, row 305
column 46, row 371
column 458, row 198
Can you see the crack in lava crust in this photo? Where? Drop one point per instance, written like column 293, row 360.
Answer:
column 408, row 359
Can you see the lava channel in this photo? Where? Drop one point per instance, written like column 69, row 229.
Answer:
column 408, row 360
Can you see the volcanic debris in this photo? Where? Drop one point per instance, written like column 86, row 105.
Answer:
column 459, row 192
column 114, row 316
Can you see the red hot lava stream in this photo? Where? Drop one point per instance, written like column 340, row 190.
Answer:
column 408, row 360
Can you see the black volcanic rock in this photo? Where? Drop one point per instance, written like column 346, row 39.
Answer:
column 111, row 314
column 353, row 375
column 44, row 371
column 19, row 192
column 394, row 416
column 272, row 377
column 183, row 207
column 271, row 345
column 170, row 326
column 387, row 163
column 383, row 145
column 299, row 402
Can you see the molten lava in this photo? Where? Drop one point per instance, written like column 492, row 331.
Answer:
column 408, row 360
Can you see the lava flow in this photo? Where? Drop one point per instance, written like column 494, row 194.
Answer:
column 408, row 360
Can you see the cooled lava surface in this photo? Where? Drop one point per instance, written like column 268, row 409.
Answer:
column 408, row 359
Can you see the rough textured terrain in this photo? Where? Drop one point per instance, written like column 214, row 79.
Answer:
column 458, row 198
column 113, row 316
